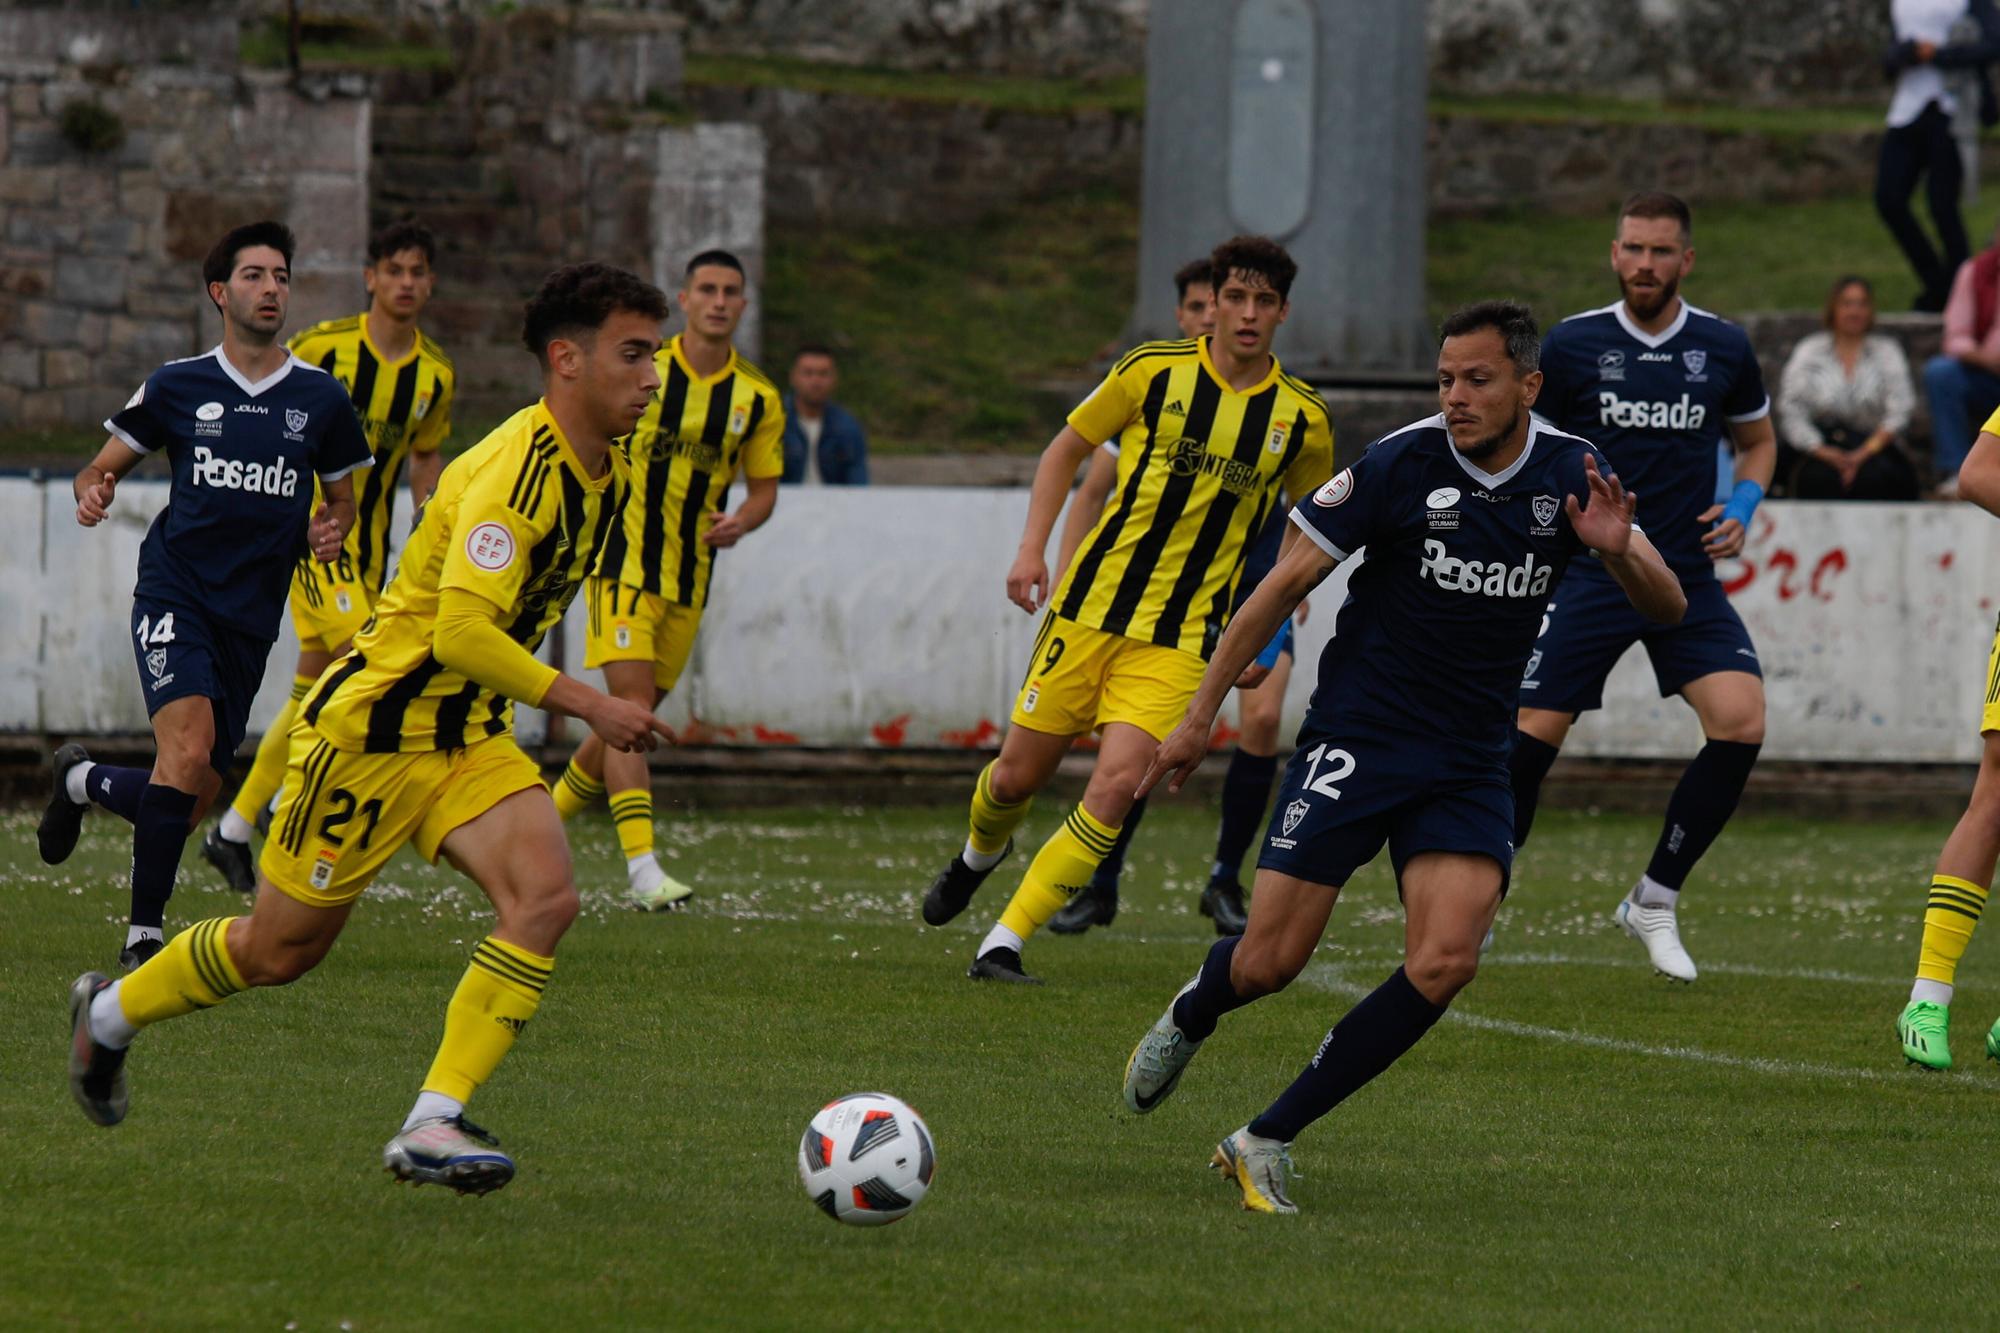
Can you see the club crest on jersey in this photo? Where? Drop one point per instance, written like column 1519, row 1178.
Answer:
column 156, row 662
column 1335, row 491
column 423, row 405
column 1295, row 813
column 1696, row 362
column 1611, row 365
column 1544, row 509
column 295, row 422
column 1279, row 434
column 739, row 417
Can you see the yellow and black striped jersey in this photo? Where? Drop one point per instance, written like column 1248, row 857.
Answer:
column 516, row 520
column 685, row 452
column 405, row 408
column 1200, row 467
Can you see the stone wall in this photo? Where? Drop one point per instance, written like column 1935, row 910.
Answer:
column 100, row 269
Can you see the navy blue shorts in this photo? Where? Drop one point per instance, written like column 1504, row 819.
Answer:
column 1590, row 624
column 1345, row 794
column 180, row 653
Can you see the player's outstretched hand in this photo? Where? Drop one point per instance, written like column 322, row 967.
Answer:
column 324, row 535
column 1605, row 524
column 93, row 501
column 628, row 726
column 1028, row 582
column 1725, row 541
column 1179, row 754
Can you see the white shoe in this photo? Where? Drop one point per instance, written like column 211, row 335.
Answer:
column 654, row 890
column 1660, row 932
column 1154, row 1070
column 1258, row 1167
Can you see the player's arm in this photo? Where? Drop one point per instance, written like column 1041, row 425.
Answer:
column 1301, row 567
column 1086, row 507
column 468, row 639
column 1756, row 459
column 335, row 519
column 1605, row 526
column 99, row 478
column 729, row 529
column 1979, row 478
column 425, row 469
column 1028, row 577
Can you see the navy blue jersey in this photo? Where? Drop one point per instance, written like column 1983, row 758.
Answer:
column 243, row 457
column 1260, row 556
column 1656, row 404
column 1444, row 610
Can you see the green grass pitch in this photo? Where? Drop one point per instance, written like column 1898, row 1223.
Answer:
column 1579, row 1142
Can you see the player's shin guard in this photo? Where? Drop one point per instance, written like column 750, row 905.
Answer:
column 632, row 813
column 1527, row 764
column 193, row 972
column 1246, row 789
column 1388, row 1021
column 158, row 835
column 1949, row 920
column 575, row 791
column 993, row 823
column 1203, row 1002
column 1701, row 804
column 1060, row 869
column 267, row 770
column 499, row 993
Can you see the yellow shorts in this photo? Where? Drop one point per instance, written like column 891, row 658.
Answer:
column 1989, row 716
column 1082, row 678
column 343, row 814
column 629, row 624
column 329, row 604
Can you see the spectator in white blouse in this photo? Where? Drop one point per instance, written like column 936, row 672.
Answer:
column 1843, row 404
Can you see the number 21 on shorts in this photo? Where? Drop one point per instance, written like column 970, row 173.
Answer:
column 1340, row 765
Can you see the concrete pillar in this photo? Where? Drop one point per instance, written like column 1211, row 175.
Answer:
column 1303, row 120
column 709, row 193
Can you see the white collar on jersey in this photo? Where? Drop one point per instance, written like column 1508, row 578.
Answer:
column 243, row 383
column 1491, row 480
column 1665, row 335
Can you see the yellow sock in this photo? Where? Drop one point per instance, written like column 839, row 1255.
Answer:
column 632, row 812
column 992, row 822
column 1062, row 868
column 193, row 972
column 1949, row 921
column 575, row 791
column 267, row 771
column 499, row 993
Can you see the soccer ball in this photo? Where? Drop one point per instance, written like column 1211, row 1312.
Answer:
column 867, row 1159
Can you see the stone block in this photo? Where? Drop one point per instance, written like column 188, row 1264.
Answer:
column 46, row 324
column 28, row 185
column 20, row 366
column 37, row 143
column 156, row 303
column 6, row 117
column 89, row 404
column 25, row 99
column 150, row 341
column 42, row 407
column 280, row 133
column 64, row 368
column 196, row 219
column 91, row 331
column 90, row 282
column 329, row 214
column 26, row 276
column 10, row 406
column 113, row 234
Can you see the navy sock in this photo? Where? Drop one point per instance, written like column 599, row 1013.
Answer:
column 1528, row 763
column 119, row 790
column 1700, row 806
column 158, row 835
column 1246, row 790
column 1389, row 1021
column 1201, row 1006
column 1113, row 865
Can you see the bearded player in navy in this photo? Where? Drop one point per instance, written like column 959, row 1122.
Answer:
column 1656, row 383
column 1468, row 517
column 245, row 428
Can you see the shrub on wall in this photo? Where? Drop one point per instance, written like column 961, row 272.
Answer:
column 91, row 127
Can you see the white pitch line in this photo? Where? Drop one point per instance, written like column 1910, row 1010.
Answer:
column 1327, row 978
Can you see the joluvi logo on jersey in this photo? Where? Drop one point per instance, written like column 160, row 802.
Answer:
column 233, row 474
column 1489, row 578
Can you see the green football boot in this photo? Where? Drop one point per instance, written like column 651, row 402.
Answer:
column 1993, row 1041
column 1925, row 1029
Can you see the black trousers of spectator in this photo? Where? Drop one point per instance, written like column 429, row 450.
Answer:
column 1886, row 475
column 1924, row 149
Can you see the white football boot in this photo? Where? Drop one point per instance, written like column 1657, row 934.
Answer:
column 1659, row 930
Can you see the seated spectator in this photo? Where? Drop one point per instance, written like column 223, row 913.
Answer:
column 823, row 441
column 1963, row 382
column 1844, row 403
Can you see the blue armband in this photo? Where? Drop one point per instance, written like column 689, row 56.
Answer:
column 1743, row 503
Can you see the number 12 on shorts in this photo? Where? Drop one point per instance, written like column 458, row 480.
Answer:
column 1340, row 765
